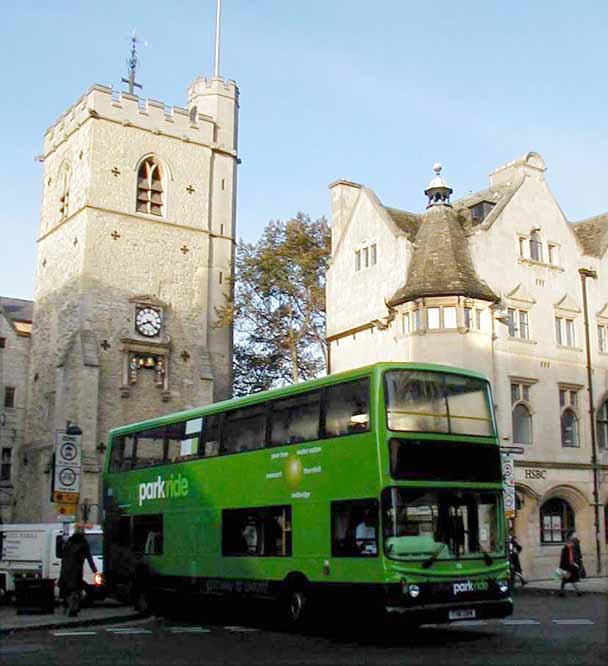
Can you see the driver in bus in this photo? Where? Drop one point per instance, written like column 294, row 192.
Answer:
column 365, row 534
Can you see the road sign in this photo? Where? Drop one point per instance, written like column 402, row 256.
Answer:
column 67, row 449
column 65, row 498
column 508, row 475
column 68, row 455
column 512, row 449
column 65, row 510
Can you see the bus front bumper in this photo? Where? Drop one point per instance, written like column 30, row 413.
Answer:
column 454, row 611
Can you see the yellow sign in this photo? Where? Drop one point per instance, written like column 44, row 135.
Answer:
column 65, row 509
column 65, row 498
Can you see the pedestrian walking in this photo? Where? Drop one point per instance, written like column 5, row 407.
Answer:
column 514, row 551
column 75, row 552
column 570, row 564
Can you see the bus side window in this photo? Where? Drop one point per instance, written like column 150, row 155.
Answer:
column 210, row 436
column 296, row 419
column 354, row 528
column 117, row 454
column 150, row 447
column 245, row 429
column 128, row 455
column 347, row 408
column 148, row 534
column 257, row 532
column 183, row 440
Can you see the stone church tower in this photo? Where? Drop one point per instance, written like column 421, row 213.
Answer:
column 135, row 253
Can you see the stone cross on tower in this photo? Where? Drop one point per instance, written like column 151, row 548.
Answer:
column 132, row 63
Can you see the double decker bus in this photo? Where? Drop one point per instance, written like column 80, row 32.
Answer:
column 380, row 486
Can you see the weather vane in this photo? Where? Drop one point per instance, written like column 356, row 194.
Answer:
column 132, row 63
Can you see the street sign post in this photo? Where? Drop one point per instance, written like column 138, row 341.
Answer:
column 68, row 456
column 508, row 473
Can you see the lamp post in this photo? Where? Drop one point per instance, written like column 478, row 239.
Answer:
column 588, row 273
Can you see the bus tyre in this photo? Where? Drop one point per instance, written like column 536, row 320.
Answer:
column 296, row 605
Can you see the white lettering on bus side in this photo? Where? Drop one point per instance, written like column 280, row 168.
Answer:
column 306, row 452
column 163, row 488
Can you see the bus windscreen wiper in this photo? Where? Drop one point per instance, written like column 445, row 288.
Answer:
column 430, row 560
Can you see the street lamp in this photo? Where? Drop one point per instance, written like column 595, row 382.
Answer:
column 588, row 273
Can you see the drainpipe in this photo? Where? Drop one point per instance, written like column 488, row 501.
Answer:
column 588, row 273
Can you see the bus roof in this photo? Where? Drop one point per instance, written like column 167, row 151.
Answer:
column 285, row 391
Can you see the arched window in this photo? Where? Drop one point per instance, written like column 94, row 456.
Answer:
column 602, row 426
column 522, row 424
column 536, row 246
column 556, row 521
column 64, row 191
column 569, row 428
column 150, row 193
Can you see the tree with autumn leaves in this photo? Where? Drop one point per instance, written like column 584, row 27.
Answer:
column 278, row 306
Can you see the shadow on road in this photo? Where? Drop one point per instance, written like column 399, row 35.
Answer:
column 332, row 625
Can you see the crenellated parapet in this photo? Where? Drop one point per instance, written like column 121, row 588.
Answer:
column 205, row 85
column 104, row 103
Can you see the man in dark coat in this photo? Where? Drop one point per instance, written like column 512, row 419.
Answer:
column 75, row 552
column 569, row 565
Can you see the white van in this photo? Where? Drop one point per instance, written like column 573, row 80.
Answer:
column 34, row 551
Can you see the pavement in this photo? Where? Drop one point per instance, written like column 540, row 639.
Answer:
column 110, row 612
column 590, row 585
column 106, row 612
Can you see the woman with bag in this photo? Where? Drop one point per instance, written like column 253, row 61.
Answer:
column 569, row 567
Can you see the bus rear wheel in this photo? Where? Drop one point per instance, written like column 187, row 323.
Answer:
column 295, row 606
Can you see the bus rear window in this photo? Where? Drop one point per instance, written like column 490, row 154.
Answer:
column 436, row 460
column 421, row 401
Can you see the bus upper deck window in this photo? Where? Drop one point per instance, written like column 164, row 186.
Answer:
column 347, row 408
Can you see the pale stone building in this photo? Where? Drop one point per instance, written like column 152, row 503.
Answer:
column 492, row 282
column 15, row 335
column 135, row 253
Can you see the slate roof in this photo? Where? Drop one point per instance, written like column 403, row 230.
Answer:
column 441, row 264
column 407, row 222
column 593, row 234
column 17, row 309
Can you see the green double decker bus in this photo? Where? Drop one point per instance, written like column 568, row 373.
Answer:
column 380, row 487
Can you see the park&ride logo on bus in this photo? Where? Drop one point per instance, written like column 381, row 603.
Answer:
column 171, row 488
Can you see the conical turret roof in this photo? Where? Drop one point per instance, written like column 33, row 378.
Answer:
column 441, row 264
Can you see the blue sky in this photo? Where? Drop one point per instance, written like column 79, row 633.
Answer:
column 374, row 92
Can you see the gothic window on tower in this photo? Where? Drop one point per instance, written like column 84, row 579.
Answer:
column 64, row 193
column 150, row 192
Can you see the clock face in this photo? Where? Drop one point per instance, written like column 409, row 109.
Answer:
column 148, row 322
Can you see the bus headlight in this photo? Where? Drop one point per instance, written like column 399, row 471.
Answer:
column 503, row 586
column 98, row 579
column 414, row 591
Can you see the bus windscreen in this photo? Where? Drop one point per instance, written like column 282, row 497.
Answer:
column 424, row 401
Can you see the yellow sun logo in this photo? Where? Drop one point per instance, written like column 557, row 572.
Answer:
column 293, row 472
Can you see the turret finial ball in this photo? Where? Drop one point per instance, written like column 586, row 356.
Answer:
column 437, row 168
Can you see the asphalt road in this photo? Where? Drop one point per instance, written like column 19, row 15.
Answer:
column 544, row 630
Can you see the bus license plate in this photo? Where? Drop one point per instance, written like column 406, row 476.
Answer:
column 462, row 615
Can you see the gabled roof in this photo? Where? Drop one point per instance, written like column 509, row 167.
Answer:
column 409, row 223
column 17, row 309
column 500, row 197
column 593, row 234
column 441, row 264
